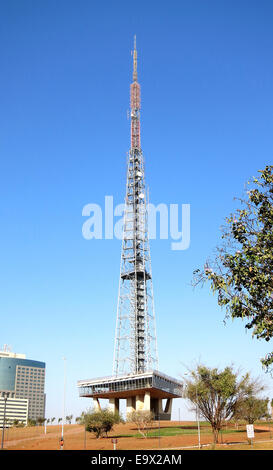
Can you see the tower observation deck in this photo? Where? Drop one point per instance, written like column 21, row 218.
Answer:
column 135, row 365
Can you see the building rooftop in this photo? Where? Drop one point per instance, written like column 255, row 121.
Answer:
column 124, row 385
column 7, row 353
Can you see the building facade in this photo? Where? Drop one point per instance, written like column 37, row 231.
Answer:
column 14, row 409
column 23, row 379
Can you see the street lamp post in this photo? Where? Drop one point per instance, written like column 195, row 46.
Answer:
column 158, row 419
column 4, row 419
column 64, row 398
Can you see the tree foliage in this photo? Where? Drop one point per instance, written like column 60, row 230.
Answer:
column 217, row 393
column 241, row 270
column 100, row 422
column 18, row 424
column 142, row 419
column 252, row 409
column 40, row 420
column 31, row 422
column 69, row 419
column 81, row 419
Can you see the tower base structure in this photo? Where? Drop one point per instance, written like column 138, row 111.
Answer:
column 143, row 392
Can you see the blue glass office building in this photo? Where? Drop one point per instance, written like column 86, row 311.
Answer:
column 24, row 378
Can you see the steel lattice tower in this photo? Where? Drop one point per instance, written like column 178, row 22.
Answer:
column 135, row 340
column 136, row 377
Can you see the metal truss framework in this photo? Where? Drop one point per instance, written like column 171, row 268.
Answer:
column 135, row 340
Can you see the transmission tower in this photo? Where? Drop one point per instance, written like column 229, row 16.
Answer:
column 136, row 377
column 135, row 339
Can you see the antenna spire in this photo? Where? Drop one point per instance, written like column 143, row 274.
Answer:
column 135, row 105
column 135, row 61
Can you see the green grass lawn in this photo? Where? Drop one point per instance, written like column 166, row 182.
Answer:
column 172, row 431
column 183, row 430
column 192, row 429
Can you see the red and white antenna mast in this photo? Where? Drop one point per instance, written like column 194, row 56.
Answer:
column 135, row 104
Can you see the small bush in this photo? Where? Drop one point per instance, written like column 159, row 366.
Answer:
column 101, row 422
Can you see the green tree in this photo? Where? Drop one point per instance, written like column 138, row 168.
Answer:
column 31, row 422
column 143, row 419
column 240, row 273
column 18, row 424
column 80, row 419
column 40, row 420
column 69, row 418
column 52, row 420
column 252, row 409
column 100, row 422
column 217, row 393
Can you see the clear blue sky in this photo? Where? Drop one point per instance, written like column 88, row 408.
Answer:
column 206, row 73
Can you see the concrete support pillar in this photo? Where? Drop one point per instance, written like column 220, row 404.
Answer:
column 168, row 407
column 143, row 402
column 139, row 402
column 157, row 408
column 160, row 406
column 147, row 401
column 113, row 405
column 130, row 404
column 96, row 404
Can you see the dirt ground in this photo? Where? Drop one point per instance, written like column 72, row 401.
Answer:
column 76, row 439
